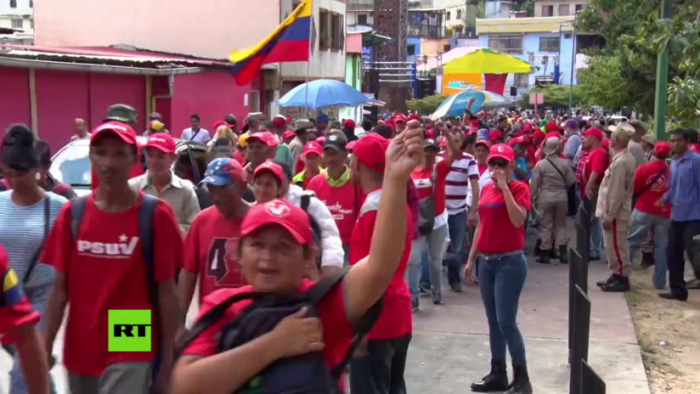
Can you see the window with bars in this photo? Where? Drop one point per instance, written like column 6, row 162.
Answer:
column 324, row 30
column 506, row 43
column 522, row 80
column 13, row 3
column 580, row 7
column 459, row 14
column 337, row 32
column 549, row 44
column 17, row 24
column 362, row 19
column 547, row 10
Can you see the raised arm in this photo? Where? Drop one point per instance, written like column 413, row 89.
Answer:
column 367, row 280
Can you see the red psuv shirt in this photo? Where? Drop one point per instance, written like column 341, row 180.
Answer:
column 598, row 161
column 105, row 270
column 337, row 332
column 496, row 234
column 395, row 319
column 341, row 202
column 422, row 180
column 210, row 251
column 646, row 201
column 15, row 310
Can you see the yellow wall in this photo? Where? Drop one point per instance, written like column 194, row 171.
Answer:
column 455, row 83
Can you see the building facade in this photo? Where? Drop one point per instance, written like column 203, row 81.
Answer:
column 548, row 8
column 18, row 15
column 545, row 43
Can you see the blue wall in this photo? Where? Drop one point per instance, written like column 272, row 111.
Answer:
column 531, row 43
column 415, row 42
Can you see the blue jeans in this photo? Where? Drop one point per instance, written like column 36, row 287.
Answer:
column 640, row 225
column 455, row 251
column 434, row 245
column 501, row 280
column 596, row 233
column 37, row 297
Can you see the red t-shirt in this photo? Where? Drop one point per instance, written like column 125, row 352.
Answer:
column 482, row 168
column 421, row 178
column 598, row 161
column 496, row 234
column 645, row 174
column 341, row 201
column 395, row 319
column 16, row 309
column 238, row 156
column 105, row 270
column 337, row 332
column 210, row 251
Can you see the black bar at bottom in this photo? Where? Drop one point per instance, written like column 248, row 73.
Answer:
column 591, row 383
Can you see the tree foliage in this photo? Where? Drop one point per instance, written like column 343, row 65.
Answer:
column 555, row 96
column 602, row 83
column 427, row 105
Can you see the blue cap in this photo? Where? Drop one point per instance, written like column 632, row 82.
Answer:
column 222, row 171
column 322, row 118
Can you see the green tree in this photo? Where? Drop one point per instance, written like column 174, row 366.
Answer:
column 555, row 96
column 602, row 83
column 427, row 105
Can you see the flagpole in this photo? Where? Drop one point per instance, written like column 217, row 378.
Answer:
column 308, row 62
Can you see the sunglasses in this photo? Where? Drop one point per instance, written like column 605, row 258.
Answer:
column 498, row 163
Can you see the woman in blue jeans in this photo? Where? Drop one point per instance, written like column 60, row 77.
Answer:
column 26, row 213
column 499, row 242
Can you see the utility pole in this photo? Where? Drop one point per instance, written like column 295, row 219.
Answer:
column 573, row 63
column 660, row 103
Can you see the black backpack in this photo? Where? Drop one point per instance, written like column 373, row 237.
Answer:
column 305, row 374
column 315, row 228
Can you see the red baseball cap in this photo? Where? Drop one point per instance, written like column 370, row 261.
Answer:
column 518, row 140
column 662, row 150
column 162, row 142
column 280, row 213
column 320, row 140
column 312, row 147
column 501, row 151
column 430, row 133
column 262, row 136
column 495, row 135
column 413, row 117
column 605, row 143
column 400, row 118
column 553, row 134
column 288, row 134
column 370, row 150
column 596, row 132
column 219, row 123
column 279, row 121
column 349, row 124
column 551, row 126
column 526, row 127
column 272, row 167
column 485, row 143
column 350, row 146
column 122, row 130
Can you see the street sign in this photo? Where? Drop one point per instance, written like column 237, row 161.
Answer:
column 536, row 98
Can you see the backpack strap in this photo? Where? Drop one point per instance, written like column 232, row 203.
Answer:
column 77, row 209
column 319, row 290
column 47, row 228
column 146, row 214
column 306, row 200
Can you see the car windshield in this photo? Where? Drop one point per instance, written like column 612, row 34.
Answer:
column 72, row 166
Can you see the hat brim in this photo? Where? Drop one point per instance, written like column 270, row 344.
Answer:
column 125, row 138
column 160, row 148
column 499, row 156
column 291, row 230
column 269, row 171
column 216, row 180
column 116, row 119
column 335, row 148
column 312, row 152
column 253, row 139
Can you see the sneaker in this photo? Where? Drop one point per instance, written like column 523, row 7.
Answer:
column 647, row 259
column 424, row 288
column 456, row 287
column 605, row 282
column 671, row 296
column 414, row 306
column 437, row 297
column 693, row 284
column 620, row 284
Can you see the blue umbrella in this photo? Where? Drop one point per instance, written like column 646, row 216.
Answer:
column 455, row 105
column 323, row 93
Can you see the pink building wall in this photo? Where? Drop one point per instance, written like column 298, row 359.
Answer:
column 165, row 25
column 14, row 99
column 211, row 95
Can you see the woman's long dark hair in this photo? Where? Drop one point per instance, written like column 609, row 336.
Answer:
column 18, row 149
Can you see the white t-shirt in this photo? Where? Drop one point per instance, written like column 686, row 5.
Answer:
column 457, row 185
column 202, row 135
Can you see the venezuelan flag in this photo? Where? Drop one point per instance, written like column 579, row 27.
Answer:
column 288, row 43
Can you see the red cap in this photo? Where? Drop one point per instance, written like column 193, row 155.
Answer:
column 312, row 147
column 320, row 140
column 551, row 126
column 219, row 123
column 605, row 143
column 162, row 142
column 554, row 134
column 485, row 143
column 349, row 124
column 350, row 146
column 400, row 118
column 390, row 122
column 279, row 121
column 273, row 167
column 262, row 136
column 495, row 135
column 281, row 213
column 501, row 151
column 122, row 130
column 370, row 150
column 430, row 133
column 443, row 142
column 288, row 134
column 662, row 150
column 597, row 133
column 518, row 140
column 414, row 117
column 526, row 127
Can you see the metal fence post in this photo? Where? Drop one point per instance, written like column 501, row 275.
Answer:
column 591, row 383
column 579, row 348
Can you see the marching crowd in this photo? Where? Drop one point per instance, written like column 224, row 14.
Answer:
column 287, row 210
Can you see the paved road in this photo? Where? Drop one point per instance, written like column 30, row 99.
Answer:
column 450, row 343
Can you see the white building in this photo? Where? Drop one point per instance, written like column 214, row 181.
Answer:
column 17, row 14
column 559, row 7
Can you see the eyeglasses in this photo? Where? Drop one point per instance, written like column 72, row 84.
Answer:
column 498, row 163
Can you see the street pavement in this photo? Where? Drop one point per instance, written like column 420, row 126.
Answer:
column 450, row 346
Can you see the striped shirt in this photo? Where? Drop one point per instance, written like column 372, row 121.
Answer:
column 22, row 232
column 457, row 188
